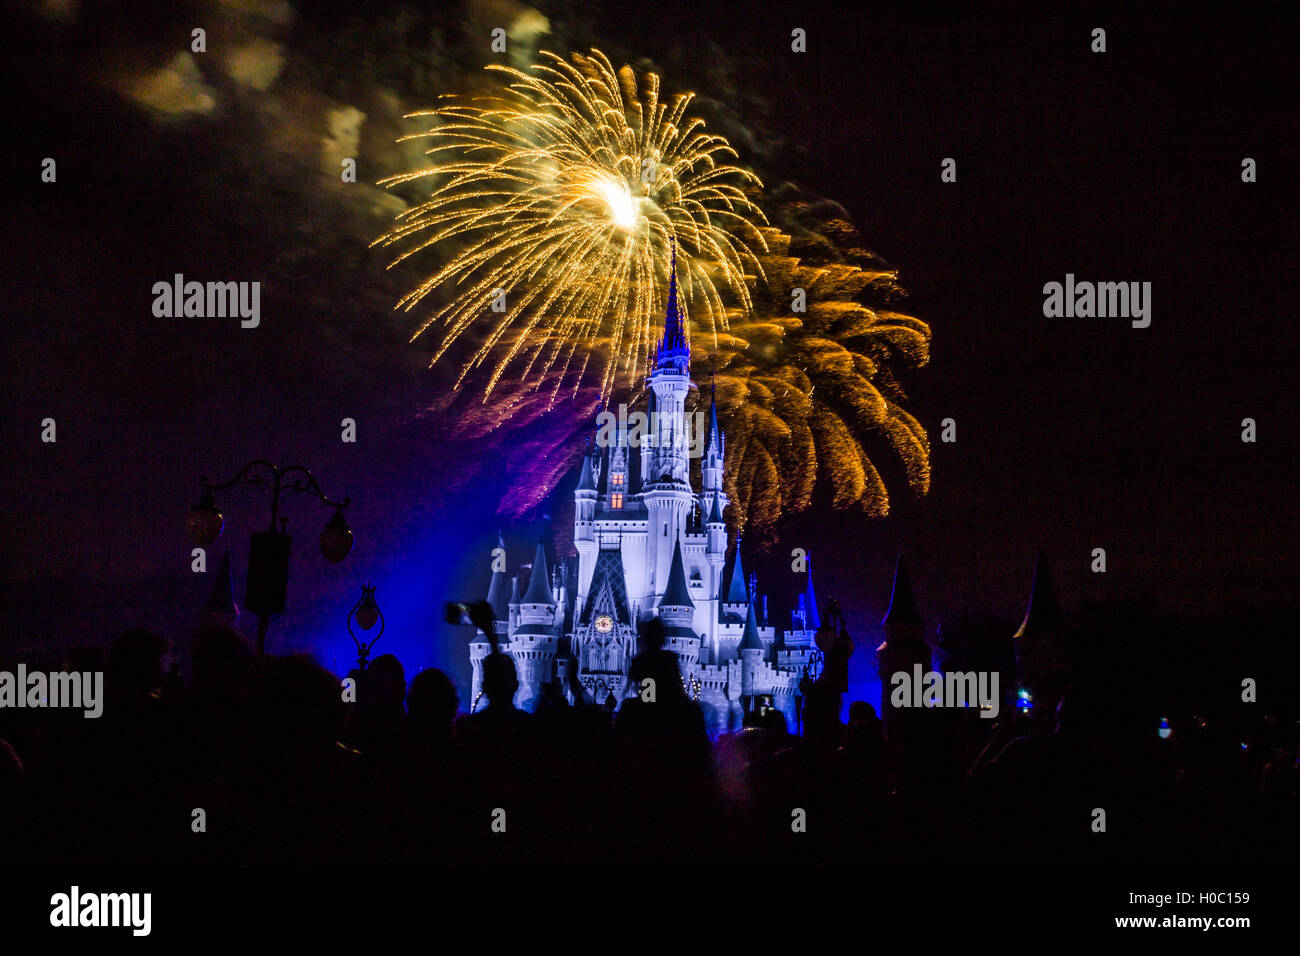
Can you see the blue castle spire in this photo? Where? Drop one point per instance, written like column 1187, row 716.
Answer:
column 673, row 345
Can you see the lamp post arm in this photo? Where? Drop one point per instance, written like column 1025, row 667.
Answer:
column 245, row 472
column 275, row 487
column 308, row 483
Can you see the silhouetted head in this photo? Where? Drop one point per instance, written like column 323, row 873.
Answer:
column 432, row 701
column 500, row 679
column 385, row 684
column 552, row 697
column 135, row 664
column 220, row 658
column 860, row 711
column 653, row 636
column 300, row 701
column 774, row 721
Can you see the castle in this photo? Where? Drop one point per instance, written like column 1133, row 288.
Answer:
column 650, row 545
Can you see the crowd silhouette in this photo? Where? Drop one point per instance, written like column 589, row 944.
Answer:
column 251, row 760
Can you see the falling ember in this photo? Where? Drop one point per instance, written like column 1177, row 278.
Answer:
column 815, row 393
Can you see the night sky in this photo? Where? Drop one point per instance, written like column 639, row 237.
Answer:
column 1071, row 433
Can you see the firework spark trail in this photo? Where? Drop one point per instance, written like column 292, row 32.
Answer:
column 807, row 392
column 803, row 397
column 538, row 191
column 564, row 192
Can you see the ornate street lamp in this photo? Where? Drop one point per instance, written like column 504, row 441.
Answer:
column 268, row 553
column 336, row 539
column 365, row 612
column 206, row 522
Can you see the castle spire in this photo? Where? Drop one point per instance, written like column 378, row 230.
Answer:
column 902, row 606
column 713, row 446
column 749, row 640
column 814, row 620
column 1044, row 614
column 676, row 593
column 673, row 347
column 586, row 481
column 736, row 593
column 539, row 591
column 498, row 591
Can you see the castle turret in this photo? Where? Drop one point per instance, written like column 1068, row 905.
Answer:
column 533, row 642
column 736, row 591
column 751, row 656
column 812, row 619
column 479, row 648
column 1040, row 644
column 805, row 619
column 903, row 648
column 677, row 611
column 513, row 606
column 715, row 556
column 584, row 517
column 714, row 451
column 667, row 490
column 498, row 595
column 646, row 444
column 480, row 645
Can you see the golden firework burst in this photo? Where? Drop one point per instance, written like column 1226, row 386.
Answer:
column 555, row 202
column 814, row 392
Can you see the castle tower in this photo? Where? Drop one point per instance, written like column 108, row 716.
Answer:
column 1040, row 644
column 533, row 643
column 677, row 611
column 805, row 619
column 512, row 607
column 812, row 618
column 603, row 640
column 667, row 491
column 584, row 517
column 736, row 594
column 498, row 595
column 480, row 646
column 714, row 453
column 648, row 439
column 751, row 653
column 715, row 551
column 903, row 648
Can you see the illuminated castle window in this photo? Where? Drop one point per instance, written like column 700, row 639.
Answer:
column 616, row 490
column 616, row 500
